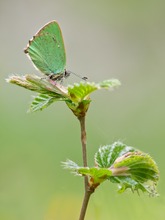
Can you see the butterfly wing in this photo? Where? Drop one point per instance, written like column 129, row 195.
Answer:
column 47, row 51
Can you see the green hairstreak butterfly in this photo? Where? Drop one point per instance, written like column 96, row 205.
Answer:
column 47, row 52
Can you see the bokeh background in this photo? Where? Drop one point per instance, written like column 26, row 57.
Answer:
column 104, row 39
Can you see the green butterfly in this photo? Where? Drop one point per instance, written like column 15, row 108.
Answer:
column 47, row 52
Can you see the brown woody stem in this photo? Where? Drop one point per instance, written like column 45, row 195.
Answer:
column 88, row 190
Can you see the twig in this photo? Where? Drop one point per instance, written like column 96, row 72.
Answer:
column 88, row 190
column 85, row 203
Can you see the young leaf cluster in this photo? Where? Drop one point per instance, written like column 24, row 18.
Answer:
column 121, row 164
column 76, row 97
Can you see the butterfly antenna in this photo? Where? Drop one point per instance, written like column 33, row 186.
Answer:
column 68, row 72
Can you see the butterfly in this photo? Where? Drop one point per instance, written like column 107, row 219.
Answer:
column 47, row 51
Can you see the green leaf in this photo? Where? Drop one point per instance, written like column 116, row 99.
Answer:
column 97, row 175
column 141, row 166
column 41, row 101
column 125, row 183
column 107, row 154
column 109, row 84
column 121, row 164
column 81, row 91
column 130, row 167
column 79, row 95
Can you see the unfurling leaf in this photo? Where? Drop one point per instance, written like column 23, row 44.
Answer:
column 76, row 96
column 107, row 154
column 130, row 167
column 41, row 101
column 122, row 164
column 97, row 175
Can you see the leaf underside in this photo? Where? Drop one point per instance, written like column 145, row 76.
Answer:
column 41, row 101
column 75, row 96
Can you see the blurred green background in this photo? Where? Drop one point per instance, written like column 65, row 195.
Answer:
column 104, row 39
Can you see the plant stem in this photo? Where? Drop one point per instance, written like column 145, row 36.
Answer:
column 83, row 140
column 88, row 190
column 85, row 204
